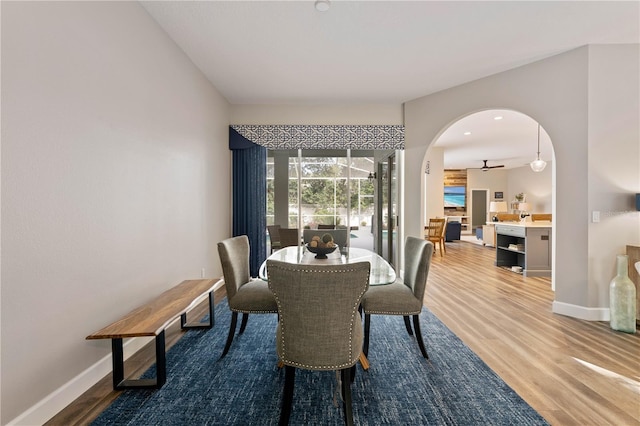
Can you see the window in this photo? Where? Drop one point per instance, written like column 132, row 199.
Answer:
column 333, row 188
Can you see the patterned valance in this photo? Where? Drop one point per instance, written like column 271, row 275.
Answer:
column 324, row 137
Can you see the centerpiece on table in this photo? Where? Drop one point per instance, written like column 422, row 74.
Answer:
column 321, row 246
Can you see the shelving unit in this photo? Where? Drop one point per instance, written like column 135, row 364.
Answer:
column 525, row 245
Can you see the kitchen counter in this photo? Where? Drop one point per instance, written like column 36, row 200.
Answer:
column 525, row 246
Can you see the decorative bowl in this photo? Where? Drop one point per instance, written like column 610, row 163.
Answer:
column 321, row 252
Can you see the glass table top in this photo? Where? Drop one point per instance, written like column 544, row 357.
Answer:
column 381, row 272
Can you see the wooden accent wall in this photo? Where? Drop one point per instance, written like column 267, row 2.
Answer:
column 455, row 177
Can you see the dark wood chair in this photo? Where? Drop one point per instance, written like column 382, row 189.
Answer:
column 323, row 226
column 274, row 237
column 289, row 237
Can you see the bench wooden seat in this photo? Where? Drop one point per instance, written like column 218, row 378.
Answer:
column 151, row 319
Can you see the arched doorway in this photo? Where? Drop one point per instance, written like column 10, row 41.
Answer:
column 487, row 154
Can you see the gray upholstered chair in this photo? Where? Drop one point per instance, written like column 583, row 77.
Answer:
column 403, row 297
column 244, row 294
column 319, row 325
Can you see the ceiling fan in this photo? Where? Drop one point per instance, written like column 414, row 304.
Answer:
column 485, row 167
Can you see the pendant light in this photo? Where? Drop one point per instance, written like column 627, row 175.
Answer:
column 538, row 164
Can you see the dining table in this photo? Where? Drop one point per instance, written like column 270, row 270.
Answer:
column 382, row 272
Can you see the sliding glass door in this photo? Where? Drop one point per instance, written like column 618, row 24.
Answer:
column 386, row 206
column 324, row 194
column 324, row 188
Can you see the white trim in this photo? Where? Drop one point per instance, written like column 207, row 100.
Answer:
column 56, row 401
column 581, row 312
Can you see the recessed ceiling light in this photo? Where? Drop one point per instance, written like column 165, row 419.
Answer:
column 498, row 117
column 322, row 5
column 467, row 133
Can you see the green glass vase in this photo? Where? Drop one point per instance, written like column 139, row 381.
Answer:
column 622, row 298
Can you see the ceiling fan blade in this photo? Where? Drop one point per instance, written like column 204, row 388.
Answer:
column 484, row 168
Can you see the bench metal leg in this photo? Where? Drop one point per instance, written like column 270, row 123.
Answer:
column 183, row 318
column 119, row 383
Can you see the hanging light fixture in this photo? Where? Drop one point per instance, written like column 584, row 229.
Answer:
column 538, row 164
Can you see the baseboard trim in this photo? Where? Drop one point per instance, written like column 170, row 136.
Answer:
column 581, row 312
column 57, row 400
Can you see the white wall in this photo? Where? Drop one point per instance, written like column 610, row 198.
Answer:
column 115, row 186
column 433, row 184
column 614, row 160
column 537, row 187
column 568, row 95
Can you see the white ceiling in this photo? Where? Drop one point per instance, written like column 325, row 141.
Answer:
column 511, row 141
column 388, row 52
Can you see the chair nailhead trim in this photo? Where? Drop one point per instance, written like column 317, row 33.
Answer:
column 391, row 313
column 244, row 311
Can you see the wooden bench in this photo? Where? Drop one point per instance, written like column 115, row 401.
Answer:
column 151, row 319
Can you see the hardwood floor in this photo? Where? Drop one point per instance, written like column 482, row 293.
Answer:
column 572, row 372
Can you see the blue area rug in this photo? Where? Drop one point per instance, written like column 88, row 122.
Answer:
column 401, row 388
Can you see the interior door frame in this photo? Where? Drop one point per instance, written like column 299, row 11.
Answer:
column 470, row 212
